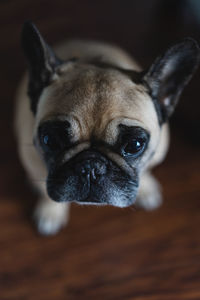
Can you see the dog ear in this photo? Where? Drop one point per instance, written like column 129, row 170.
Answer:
column 42, row 62
column 169, row 74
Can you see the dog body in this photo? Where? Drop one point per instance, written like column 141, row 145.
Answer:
column 97, row 124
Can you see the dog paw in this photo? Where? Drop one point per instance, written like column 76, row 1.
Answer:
column 50, row 217
column 149, row 196
column 149, row 201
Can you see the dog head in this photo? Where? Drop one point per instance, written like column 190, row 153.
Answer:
column 97, row 126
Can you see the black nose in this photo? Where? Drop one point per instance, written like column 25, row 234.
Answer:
column 91, row 169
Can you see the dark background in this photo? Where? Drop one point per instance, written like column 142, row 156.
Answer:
column 104, row 253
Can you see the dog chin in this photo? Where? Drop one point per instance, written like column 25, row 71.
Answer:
column 114, row 201
column 95, row 203
column 90, row 202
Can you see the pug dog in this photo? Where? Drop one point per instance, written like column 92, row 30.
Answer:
column 90, row 125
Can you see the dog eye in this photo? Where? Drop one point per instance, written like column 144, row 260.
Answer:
column 51, row 142
column 54, row 136
column 132, row 140
column 46, row 139
column 133, row 148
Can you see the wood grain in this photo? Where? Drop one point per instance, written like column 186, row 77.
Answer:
column 104, row 253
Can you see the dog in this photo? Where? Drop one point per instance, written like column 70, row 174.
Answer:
column 90, row 125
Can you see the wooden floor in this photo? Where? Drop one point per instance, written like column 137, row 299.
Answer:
column 104, row 253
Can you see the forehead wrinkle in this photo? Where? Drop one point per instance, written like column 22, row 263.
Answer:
column 122, row 103
column 95, row 97
column 96, row 100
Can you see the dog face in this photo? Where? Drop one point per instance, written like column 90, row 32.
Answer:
column 97, row 126
column 95, row 141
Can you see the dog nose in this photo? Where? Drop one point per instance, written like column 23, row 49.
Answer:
column 92, row 170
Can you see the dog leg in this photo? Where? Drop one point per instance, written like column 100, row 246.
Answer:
column 49, row 215
column 149, row 195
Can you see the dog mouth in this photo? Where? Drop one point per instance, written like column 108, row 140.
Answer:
column 90, row 201
column 92, row 179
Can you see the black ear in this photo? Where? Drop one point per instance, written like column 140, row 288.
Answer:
column 169, row 74
column 42, row 62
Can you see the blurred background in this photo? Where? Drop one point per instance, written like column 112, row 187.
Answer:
column 104, row 253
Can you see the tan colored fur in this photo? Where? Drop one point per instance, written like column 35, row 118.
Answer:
column 95, row 101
